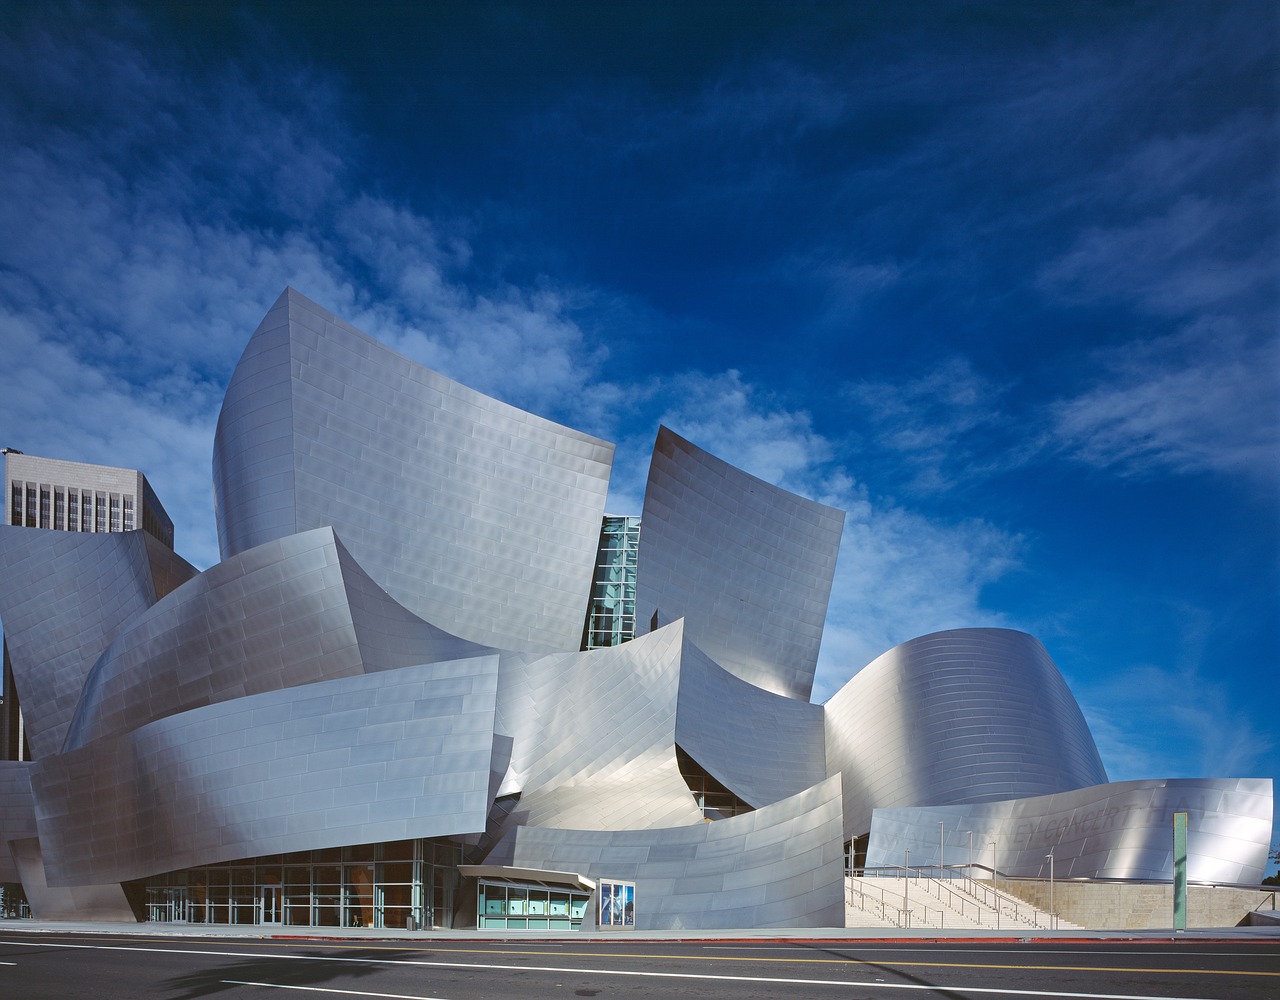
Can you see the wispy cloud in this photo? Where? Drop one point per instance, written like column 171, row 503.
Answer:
column 1204, row 400
column 900, row 574
column 1183, row 250
column 148, row 230
column 1147, row 719
column 950, row 424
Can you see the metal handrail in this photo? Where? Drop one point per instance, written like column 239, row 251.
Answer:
column 987, row 903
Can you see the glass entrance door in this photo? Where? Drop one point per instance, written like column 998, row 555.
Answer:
column 272, row 904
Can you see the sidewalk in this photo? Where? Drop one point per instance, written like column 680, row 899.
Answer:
column 841, row 935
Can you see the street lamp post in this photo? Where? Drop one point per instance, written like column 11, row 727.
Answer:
column 942, row 849
column 995, row 866
column 1053, row 918
column 906, row 888
column 971, row 854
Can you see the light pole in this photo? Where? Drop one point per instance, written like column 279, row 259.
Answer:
column 971, row 854
column 995, row 867
column 942, row 849
column 906, row 888
column 1053, row 920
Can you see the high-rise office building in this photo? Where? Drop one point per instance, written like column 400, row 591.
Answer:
column 77, row 496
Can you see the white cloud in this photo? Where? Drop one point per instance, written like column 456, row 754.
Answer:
column 1147, row 718
column 900, row 574
column 1172, row 263
column 1183, row 245
column 949, row 424
column 147, row 234
column 1206, row 400
column 730, row 418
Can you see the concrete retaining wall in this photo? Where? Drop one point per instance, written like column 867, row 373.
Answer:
column 1120, row 906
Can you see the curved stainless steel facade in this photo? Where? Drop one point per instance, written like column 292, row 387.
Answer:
column 781, row 866
column 63, row 597
column 747, row 564
column 17, row 812
column 477, row 516
column 594, row 737
column 356, row 760
column 290, row 612
column 1120, row 830
column 968, row 715
column 783, row 753
column 388, row 652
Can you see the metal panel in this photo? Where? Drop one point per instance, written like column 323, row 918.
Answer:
column 86, row 902
column 475, row 515
column 967, row 715
column 761, row 746
column 63, row 597
column 594, row 736
column 17, row 812
column 780, row 866
column 403, row 753
column 290, row 612
column 748, row 565
column 1118, row 830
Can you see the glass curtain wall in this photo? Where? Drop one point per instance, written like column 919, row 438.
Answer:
column 512, row 905
column 611, row 617
column 369, row 885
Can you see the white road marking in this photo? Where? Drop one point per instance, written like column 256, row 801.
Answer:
column 701, row 977
column 322, row 989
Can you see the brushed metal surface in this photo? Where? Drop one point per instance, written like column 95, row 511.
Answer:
column 479, row 517
column 748, row 565
column 1119, row 830
column 63, row 597
column 356, row 760
column 780, row 866
column 293, row 611
column 966, row 715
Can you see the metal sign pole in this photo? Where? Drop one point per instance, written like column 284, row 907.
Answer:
column 1180, row 871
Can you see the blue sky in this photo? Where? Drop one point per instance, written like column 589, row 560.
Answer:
column 999, row 279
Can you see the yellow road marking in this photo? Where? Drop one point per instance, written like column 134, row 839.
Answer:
column 806, row 960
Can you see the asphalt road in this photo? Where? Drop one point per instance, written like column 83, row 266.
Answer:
column 71, row 966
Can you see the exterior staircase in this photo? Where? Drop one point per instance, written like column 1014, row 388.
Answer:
column 911, row 898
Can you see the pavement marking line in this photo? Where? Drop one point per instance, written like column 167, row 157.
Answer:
column 852, row 962
column 699, row 976
column 805, row 959
column 745, row 978
column 322, row 989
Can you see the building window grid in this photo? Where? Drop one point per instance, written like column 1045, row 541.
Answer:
column 510, row 905
column 372, row 885
column 61, row 508
column 611, row 617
